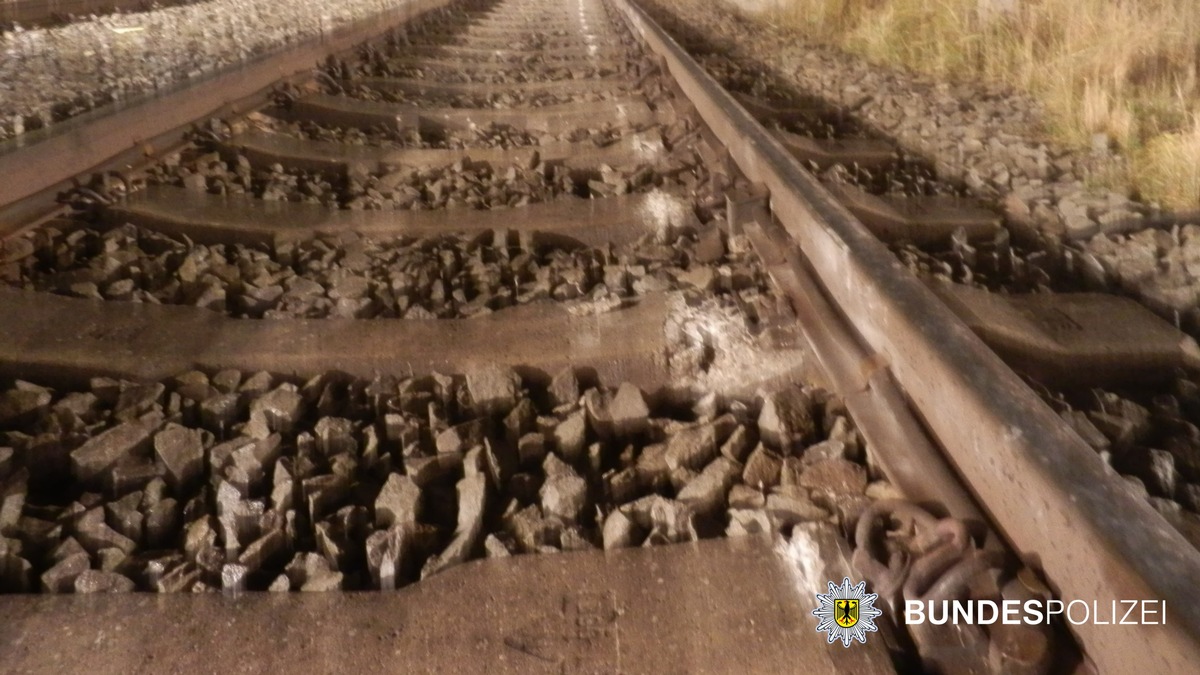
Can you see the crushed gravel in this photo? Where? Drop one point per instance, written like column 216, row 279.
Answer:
column 349, row 276
column 235, row 481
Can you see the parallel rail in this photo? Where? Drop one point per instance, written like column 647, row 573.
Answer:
column 43, row 162
column 1049, row 493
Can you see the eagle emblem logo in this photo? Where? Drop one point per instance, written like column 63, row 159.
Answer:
column 847, row 612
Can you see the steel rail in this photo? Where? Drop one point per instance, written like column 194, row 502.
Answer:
column 44, row 159
column 1062, row 508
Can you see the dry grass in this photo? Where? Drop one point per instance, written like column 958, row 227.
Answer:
column 1125, row 68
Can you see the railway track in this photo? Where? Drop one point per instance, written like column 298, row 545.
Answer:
column 519, row 277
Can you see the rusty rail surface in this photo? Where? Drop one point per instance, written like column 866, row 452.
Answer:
column 1050, row 494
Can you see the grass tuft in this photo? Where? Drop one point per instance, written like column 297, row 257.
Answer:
column 1123, row 68
column 1168, row 167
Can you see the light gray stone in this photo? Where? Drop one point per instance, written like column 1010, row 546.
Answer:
column 564, row 388
column 707, row 493
column 180, row 451
column 570, row 437
column 619, row 531
column 398, row 502
column 695, row 446
column 99, row 454
column 281, row 407
column 564, row 495
column 97, row 581
column 494, row 389
column 61, row 577
column 95, row 535
column 628, row 411
column 472, row 500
